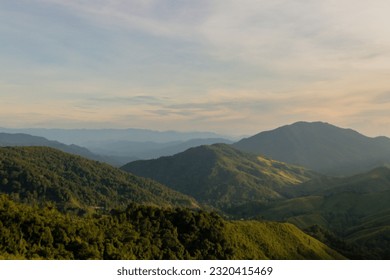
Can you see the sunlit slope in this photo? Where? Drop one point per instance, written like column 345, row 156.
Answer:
column 356, row 209
column 222, row 176
column 271, row 240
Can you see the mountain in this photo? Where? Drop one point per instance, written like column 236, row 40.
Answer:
column 148, row 149
column 321, row 147
column 41, row 174
column 144, row 232
column 222, row 176
column 355, row 208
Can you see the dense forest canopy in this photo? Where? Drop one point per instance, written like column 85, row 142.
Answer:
column 146, row 232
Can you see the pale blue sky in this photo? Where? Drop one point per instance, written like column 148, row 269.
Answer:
column 228, row 66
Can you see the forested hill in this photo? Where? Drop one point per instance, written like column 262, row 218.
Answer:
column 222, row 176
column 141, row 232
column 356, row 209
column 41, row 174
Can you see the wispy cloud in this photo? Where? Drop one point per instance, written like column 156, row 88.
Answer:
column 284, row 37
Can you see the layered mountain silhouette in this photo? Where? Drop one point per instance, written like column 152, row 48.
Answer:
column 84, row 137
column 147, row 149
column 321, row 147
column 105, row 147
column 222, row 176
column 24, row 140
column 93, row 210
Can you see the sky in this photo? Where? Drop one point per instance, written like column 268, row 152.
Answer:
column 226, row 66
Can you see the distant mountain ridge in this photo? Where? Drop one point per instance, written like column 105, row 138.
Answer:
column 86, row 136
column 149, row 149
column 321, row 147
column 22, row 139
column 221, row 176
column 114, row 146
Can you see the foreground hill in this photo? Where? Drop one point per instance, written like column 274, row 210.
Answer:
column 356, row 209
column 41, row 174
column 221, row 176
column 141, row 232
column 321, row 147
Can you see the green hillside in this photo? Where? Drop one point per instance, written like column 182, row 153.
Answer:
column 272, row 240
column 321, row 147
column 39, row 174
column 221, row 176
column 141, row 232
column 356, row 209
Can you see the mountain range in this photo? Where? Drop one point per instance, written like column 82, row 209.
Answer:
column 270, row 193
column 83, row 137
column 116, row 147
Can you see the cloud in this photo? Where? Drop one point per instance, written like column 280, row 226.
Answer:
column 382, row 98
column 222, row 65
column 128, row 100
column 306, row 40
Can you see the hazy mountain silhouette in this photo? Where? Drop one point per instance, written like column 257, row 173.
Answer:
column 21, row 139
column 148, row 149
column 85, row 137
